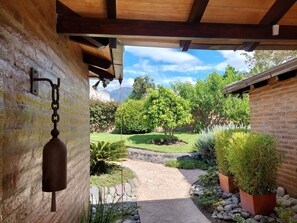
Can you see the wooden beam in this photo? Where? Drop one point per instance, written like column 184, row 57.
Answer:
column 249, row 46
column 277, row 11
column 101, row 73
column 92, row 42
column 96, row 61
column 63, row 10
column 166, row 29
column 112, row 14
column 274, row 14
column 195, row 16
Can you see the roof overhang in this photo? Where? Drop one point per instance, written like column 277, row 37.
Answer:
column 281, row 72
column 104, row 27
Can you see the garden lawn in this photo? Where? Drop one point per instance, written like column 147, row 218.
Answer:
column 144, row 141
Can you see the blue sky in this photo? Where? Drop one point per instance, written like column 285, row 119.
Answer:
column 166, row 65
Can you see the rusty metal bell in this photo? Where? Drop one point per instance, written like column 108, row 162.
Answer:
column 54, row 168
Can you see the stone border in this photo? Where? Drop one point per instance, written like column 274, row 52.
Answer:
column 114, row 193
column 158, row 157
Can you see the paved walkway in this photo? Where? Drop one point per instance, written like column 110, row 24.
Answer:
column 163, row 193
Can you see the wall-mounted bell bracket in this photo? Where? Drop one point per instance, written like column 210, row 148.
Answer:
column 34, row 84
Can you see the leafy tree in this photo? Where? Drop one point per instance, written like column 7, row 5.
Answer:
column 140, row 87
column 129, row 117
column 102, row 115
column 209, row 106
column 166, row 109
column 262, row 60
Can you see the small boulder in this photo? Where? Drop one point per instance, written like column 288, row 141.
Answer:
column 258, row 217
column 245, row 215
column 286, row 197
column 235, row 200
column 228, row 207
column 280, row 191
column 220, row 208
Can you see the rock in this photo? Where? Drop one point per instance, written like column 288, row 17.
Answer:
column 264, row 220
column 214, row 216
column 286, row 197
column 294, row 208
column 226, row 202
column 280, row 191
column 270, row 219
column 235, row 200
column 136, row 217
column 284, row 202
column 220, row 194
column 220, row 216
column 228, row 207
column 258, row 217
column 293, row 201
column 220, row 208
column 227, row 218
column 226, row 195
column 245, row 215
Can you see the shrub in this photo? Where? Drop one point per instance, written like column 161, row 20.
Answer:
column 222, row 140
column 205, row 144
column 132, row 118
column 211, row 178
column 208, row 198
column 102, row 115
column 187, row 164
column 253, row 159
column 102, row 152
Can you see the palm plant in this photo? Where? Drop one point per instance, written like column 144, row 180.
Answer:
column 101, row 152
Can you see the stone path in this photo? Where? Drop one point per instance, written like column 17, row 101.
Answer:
column 163, row 193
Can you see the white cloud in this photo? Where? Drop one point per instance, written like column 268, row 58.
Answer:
column 184, row 68
column 116, row 85
column 233, row 58
column 163, row 55
column 179, row 78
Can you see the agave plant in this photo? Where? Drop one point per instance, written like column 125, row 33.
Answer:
column 102, row 152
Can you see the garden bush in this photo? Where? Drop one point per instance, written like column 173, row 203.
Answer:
column 205, row 143
column 101, row 152
column 222, row 140
column 211, row 178
column 132, row 118
column 187, row 164
column 102, row 115
column 253, row 159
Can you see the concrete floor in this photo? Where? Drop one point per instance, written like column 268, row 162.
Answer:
column 163, row 193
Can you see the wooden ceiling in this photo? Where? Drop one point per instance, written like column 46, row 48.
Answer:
column 107, row 25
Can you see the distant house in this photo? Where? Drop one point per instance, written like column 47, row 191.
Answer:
column 273, row 107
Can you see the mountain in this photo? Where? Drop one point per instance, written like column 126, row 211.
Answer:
column 115, row 94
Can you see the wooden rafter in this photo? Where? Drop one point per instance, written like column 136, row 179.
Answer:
column 274, row 14
column 102, row 74
column 92, row 42
column 112, row 14
column 63, row 10
column 174, row 30
column 96, row 61
column 195, row 16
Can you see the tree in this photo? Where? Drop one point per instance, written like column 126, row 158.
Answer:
column 129, row 117
column 262, row 60
column 164, row 108
column 209, row 106
column 141, row 86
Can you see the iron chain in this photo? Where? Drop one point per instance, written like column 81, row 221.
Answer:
column 55, row 107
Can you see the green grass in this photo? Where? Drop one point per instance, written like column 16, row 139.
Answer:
column 113, row 176
column 187, row 164
column 144, row 141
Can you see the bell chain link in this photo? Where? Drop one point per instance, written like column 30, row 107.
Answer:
column 55, row 107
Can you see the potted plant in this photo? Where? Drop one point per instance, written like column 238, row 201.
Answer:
column 253, row 159
column 226, row 178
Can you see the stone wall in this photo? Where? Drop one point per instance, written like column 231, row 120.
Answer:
column 28, row 39
column 274, row 111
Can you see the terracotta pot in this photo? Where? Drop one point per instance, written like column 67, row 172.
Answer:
column 227, row 184
column 259, row 204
